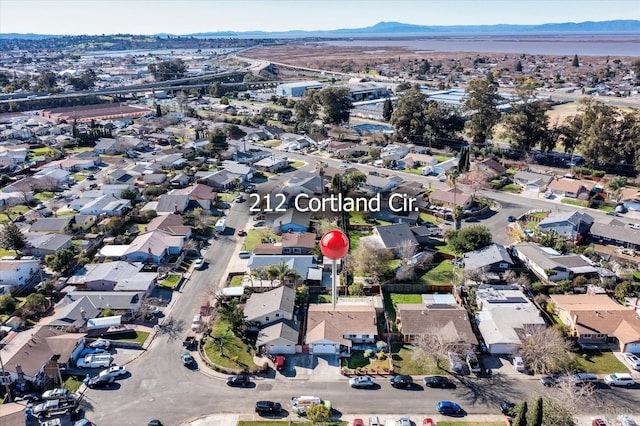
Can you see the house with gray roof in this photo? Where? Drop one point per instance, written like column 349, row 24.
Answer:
column 41, row 244
column 115, row 276
column 243, row 172
column 393, row 237
column 532, row 181
column 572, row 225
column 222, row 179
column 550, row 265
column 305, row 265
column 492, row 261
column 449, row 320
column 262, row 309
column 172, row 203
column 105, row 146
column 614, row 233
column 380, row 184
column 292, row 220
column 56, row 225
column 279, row 338
column 105, row 204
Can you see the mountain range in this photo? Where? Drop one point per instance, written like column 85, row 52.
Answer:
column 399, row 28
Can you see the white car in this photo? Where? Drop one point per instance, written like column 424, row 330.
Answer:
column 404, row 421
column 114, row 370
column 360, row 382
column 632, row 359
column 258, row 223
column 199, row 263
column 100, row 344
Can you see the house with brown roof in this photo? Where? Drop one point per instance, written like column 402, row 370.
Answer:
column 438, row 314
column 451, row 197
column 413, row 160
column 570, row 188
column 199, row 193
column 291, row 243
column 169, row 223
column 596, row 319
column 490, row 166
column 332, row 332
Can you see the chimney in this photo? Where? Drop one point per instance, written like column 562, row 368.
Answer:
column 575, row 319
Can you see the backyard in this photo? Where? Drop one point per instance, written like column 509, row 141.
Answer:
column 440, row 275
column 391, row 301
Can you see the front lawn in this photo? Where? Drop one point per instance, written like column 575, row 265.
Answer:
column 254, row 236
column 512, row 187
column 444, row 249
column 236, row 281
column 574, row 202
column 44, row 195
column 171, row 281
column 72, row 383
column 599, row 362
column 131, row 336
column 43, row 152
column 235, row 353
column 14, row 212
column 78, row 177
column 297, row 164
column 357, row 361
column 404, row 362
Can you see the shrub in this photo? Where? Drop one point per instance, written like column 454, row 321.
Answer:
column 382, row 346
column 598, row 173
column 368, row 353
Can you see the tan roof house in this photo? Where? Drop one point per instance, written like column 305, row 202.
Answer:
column 451, row 197
column 332, row 332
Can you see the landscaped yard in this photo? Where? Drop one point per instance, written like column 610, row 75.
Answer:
column 78, row 177
column 574, row 202
column 354, row 239
column 132, row 336
column 44, row 195
column 171, row 281
column 357, row 361
column 512, row 187
column 296, row 164
column 427, row 217
column 236, row 281
column 441, row 275
column 235, row 353
column 391, row 301
column 404, row 361
column 272, row 143
column 72, row 383
column 43, row 152
column 254, row 236
column 600, row 362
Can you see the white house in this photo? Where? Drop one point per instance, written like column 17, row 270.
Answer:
column 16, row 272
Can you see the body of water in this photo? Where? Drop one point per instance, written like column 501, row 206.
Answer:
column 614, row 45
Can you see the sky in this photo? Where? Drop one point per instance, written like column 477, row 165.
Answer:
column 193, row 16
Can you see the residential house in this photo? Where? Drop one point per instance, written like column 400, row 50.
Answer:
column 199, row 195
column 54, row 225
column 171, row 161
column 292, row 220
column 394, row 237
column 220, row 180
column 172, row 203
column 571, row 188
column 115, row 190
column 301, row 183
column 334, row 332
column 304, row 265
column 169, row 223
column 153, row 246
column 41, row 244
column 114, row 276
column 631, row 198
column 293, row 142
column 122, row 176
column 504, row 313
column 262, row 309
column 278, row 338
column 413, row 160
column 381, row 184
column 107, row 205
column 77, row 308
column 106, row 146
column 491, row 261
column 83, row 222
column 250, row 156
column 531, row 181
column 272, row 164
column 394, row 152
column 550, row 265
column 27, row 356
column 243, row 172
column 596, row 320
column 451, row 197
column 440, row 168
column 490, row 167
column 573, row 225
column 440, row 315
column 291, row 243
column 614, row 233
column 17, row 272
column 179, row 181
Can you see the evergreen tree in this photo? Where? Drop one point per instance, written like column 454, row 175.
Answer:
column 464, row 162
column 518, row 66
column 535, row 416
column 575, row 62
column 11, row 238
column 521, row 418
column 218, row 142
column 158, row 111
column 387, row 109
column 482, row 106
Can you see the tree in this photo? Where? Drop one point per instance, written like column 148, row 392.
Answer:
column 302, row 294
column 624, row 289
column 11, row 238
column 518, row 67
column 7, row 304
column 441, row 122
column 468, row 239
column 482, row 105
column 521, row 416
column 536, row 415
column 36, row 303
column 158, row 111
column 317, row 413
column 336, row 104
column 306, row 109
column 47, row 80
column 371, row 259
column 464, row 161
column 129, row 194
column 437, row 343
column 232, row 313
column 356, row 289
column 217, row 142
column 408, row 115
column 544, row 350
column 284, row 116
column 575, row 62
column 387, row 109
column 168, row 70
column 60, row 261
column 224, row 100
column 528, row 124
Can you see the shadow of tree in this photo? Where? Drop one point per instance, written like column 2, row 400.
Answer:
column 489, row 391
column 171, row 328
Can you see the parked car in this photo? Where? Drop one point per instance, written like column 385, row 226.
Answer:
column 242, row 233
column 518, row 363
column 258, row 223
column 20, row 218
column 507, row 408
column 583, row 378
column 448, row 407
column 401, row 381
column 187, row 359
column 511, row 219
column 632, row 360
column 240, row 199
column 598, row 422
column 199, row 263
column 361, row 382
column 239, row 380
column 549, row 381
column 404, row 421
column 101, row 381
column 357, row 422
column 626, row 420
column 244, row 254
column 154, row 422
column 280, row 362
column 55, row 393
column 268, row 407
column 100, row 344
column 619, row 379
column 114, row 371
column 438, row 382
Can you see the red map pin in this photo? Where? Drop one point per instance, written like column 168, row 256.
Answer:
column 334, row 244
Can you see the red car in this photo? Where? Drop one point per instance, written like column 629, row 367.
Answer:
column 598, row 422
column 358, row 422
column 242, row 233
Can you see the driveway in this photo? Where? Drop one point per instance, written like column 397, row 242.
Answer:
column 312, row 367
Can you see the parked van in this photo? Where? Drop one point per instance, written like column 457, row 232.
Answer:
column 518, row 363
column 583, row 378
column 632, row 360
column 95, row 361
column 196, row 323
column 619, row 379
column 374, row 421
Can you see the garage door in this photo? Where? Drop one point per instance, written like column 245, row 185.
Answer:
column 633, row 347
column 323, row 349
column 281, row 349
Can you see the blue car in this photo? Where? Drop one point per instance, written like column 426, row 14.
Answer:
column 448, row 407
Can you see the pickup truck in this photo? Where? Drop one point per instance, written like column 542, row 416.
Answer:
column 95, row 361
column 190, row 343
column 55, row 406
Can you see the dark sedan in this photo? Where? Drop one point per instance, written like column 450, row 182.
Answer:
column 401, row 381
column 438, row 382
column 239, row 380
column 448, row 407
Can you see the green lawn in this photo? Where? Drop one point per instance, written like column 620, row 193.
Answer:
column 512, row 187
column 72, row 383
column 391, row 301
column 358, row 360
column 636, row 275
column 354, row 239
column 254, row 236
column 442, row 158
column 235, row 353
column 606, row 208
column 600, row 362
column 574, row 202
column 445, row 249
column 171, row 281
column 227, row 197
column 296, row 164
column 426, row 217
column 272, row 143
column 440, row 275
column 80, row 149
column 4, row 252
column 404, row 362
column 13, row 213
column 319, row 298
column 43, row 152
column 415, row 171
column 44, row 195
column 132, row 336
column 236, row 281
column 78, row 177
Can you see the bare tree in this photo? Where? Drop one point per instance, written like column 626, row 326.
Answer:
column 509, row 276
column 371, row 259
column 437, row 343
column 476, row 180
column 566, row 399
column 405, row 253
column 544, row 350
